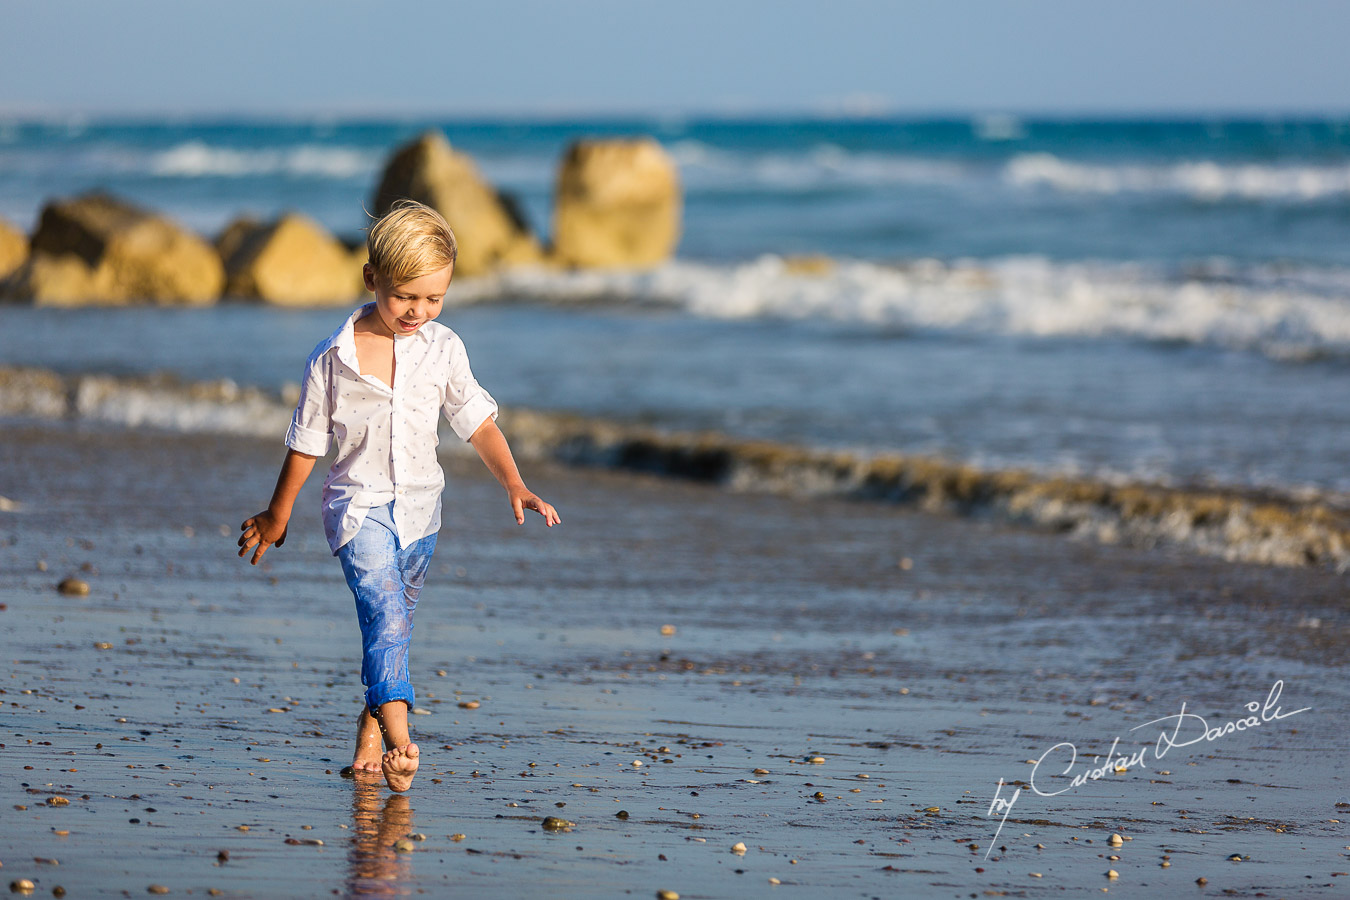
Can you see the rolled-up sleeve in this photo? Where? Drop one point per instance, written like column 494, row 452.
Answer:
column 311, row 425
column 467, row 405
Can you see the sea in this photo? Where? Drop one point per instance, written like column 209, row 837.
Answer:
column 1123, row 300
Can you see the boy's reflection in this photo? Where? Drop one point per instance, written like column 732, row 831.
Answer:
column 374, row 868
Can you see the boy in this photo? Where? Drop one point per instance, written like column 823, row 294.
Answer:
column 375, row 387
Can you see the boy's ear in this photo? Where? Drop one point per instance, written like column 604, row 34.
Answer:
column 368, row 273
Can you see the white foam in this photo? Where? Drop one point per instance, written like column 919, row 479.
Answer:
column 703, row 167
column 195, row 159
column 1202, row 179
column 1015, row 296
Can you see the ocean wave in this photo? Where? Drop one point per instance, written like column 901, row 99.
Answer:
column 1238, row 524
column 196, row 159
column 704, row 167
column 1200, row 179
column 1277, row 312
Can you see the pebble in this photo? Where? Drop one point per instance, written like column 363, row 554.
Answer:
column 419, row 711
column 1115, row 840
column 403, row 845
column 223, row 856
column 417, row 836
column 774, row 881
column 103, row 645
column 667, row 630
column 738, row 848
column 1164, row 865
column 637, row 763
column 57, row 801
column 21, row 885
column 621, row 814
column 1112, row 874
column 157, row 889
column 553, row 823
column 469, row 704
column 457, row 837
column 1235, row 857
column 1202, row 880
column 73, row 587
column 667, row 895
column 1035, row 874
column 816, row 760
column 58, row 891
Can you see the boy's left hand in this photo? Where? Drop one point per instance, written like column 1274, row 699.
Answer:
column 523, row 499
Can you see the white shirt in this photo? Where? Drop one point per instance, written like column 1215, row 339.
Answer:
column 386, row 437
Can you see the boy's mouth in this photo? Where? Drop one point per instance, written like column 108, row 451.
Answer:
column 408, row 326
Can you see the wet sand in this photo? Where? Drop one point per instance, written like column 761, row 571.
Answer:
column 190, row 706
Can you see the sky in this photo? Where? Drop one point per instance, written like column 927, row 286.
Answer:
column 632, row 56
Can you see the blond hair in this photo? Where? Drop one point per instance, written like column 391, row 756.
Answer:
column 409, row 241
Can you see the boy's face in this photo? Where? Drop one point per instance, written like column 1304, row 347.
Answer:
column 404, row 308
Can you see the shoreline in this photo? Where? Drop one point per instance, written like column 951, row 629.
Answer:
column 1236, row 523
column 797, row 634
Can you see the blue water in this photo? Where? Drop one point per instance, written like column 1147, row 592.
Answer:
column 1157, row 299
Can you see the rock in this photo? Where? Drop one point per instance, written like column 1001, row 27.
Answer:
column 553, row 823
column 667, row 895
column 22, row 886
column 157, row 889
column 1115, row 840
column 96, row 248
column 488, row 225
column 73, row 587
column 403, row 845
column 738, row 848
column 469, row 704
column 13, row 249
column 293, row 261
column 617, row 204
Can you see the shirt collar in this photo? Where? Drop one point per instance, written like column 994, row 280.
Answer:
column 344, row 340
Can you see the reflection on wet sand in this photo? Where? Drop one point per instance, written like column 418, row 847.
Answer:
column 375, row 868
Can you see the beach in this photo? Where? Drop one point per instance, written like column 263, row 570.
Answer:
column 678, row 669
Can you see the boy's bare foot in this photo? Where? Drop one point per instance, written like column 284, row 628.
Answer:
column 400, row 765
column 369, row 745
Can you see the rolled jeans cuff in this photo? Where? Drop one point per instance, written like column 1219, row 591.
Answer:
column 388, row 691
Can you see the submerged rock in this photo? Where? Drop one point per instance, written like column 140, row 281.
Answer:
column 99, row 249
column 617, row 205
column 488, row 225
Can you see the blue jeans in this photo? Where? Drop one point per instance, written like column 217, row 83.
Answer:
column 385, row 577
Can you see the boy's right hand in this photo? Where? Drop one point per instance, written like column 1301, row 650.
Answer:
column 261, row 531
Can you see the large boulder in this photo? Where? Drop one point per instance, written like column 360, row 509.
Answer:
column 13, row 249
column 488, row 226
column 293, row 261
column 617, row 205
column 96, row 248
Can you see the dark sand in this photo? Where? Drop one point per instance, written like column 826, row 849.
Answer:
column 191, row 705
